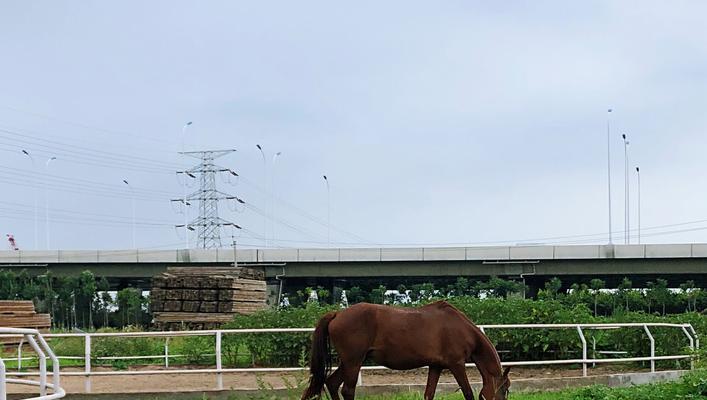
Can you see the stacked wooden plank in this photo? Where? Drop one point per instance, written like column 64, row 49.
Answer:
column 21, row 314
column 205, row 297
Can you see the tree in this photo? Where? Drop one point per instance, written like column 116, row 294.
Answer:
column 552, row 288
column 461, row 286
column 86, row 294
column 623, row 291
column 377, row 295
column 658, row 293
column 355, row 295
column 105, row 301
column 129, row 305
column 690, row 294
column 596, row 285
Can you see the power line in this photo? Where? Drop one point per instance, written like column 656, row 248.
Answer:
column 104, row 131
column 25, row 208
column 52, row 144
column 304, row 213
column 75, row 181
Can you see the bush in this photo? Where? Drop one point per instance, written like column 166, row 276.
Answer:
column 279, row 349
column 275, row 348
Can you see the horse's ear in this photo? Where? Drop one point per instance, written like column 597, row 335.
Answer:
column 506, row 371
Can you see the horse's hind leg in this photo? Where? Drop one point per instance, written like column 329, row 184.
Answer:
column 333, row 382
column 459, row 372
column 350, row 377
column 432, row 379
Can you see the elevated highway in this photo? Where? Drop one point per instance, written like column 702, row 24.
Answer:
column 344, row 267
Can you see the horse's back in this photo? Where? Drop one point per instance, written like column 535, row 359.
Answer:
column 401, row 338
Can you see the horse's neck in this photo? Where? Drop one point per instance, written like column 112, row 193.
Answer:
column 485, row 357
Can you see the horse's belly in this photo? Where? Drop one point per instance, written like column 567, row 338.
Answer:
column 399, row 361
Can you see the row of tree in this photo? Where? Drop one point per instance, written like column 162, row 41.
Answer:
column 77, row 302
column 86, row 302
column 657, row 297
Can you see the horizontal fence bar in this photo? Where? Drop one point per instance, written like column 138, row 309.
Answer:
column 304, row 330
column 367, row 368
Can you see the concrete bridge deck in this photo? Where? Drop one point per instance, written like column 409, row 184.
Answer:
column 535, row 264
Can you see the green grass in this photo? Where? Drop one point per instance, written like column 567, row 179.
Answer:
column 691, row 386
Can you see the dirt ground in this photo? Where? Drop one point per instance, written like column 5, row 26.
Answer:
column 277, row 380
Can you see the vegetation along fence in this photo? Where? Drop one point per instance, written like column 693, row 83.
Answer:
column 667, row 350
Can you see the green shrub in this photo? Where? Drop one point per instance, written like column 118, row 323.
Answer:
column 275, row 348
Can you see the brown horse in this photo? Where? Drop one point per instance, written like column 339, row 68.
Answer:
column 436, row 335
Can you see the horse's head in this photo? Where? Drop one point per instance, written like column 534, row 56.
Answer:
column 497, row 387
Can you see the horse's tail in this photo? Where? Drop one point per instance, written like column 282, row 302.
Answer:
column 320, row 363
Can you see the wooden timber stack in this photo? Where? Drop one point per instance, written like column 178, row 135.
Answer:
column 205, row 297
column 21, row 314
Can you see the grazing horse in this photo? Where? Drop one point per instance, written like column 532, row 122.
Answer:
column 436, row 335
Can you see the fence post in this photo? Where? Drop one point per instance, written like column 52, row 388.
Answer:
column 55, row 362
column 650, row 337
column 19, row 354
column 42, row 364
column 584, row 350
column 87, row 363
column 166, row 352
column 3, row 389
column 219, row 377
column 692, row 346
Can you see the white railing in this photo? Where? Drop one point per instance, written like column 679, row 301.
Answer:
column 219, row 370
column 42, row 350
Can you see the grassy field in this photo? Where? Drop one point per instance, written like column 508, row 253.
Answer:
column 692, row 386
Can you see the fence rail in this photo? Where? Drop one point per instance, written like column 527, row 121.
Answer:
column 219, row 369
column 40, row 347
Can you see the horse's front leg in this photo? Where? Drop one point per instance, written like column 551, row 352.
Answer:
column 432, row 379
column 459, row 372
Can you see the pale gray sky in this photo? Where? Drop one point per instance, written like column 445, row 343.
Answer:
column 437, row 122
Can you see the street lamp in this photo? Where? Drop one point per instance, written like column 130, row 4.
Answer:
column 638, row 175
column 186, row 210
column 328, row 211
column 272, row 193
column 627, row 219
column 34, row 192
column 265, row 178
column 608, row 166
column 132, row 201
column 46, row 200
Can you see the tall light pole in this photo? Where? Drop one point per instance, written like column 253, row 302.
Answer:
column 608, row 167
column 328, row 211
column 627, row 219
column 638, row 175
column 272, row 194
column 34, row 192
column 186, row 210
column 265, row 178
column 46, row 201
column 132, row 201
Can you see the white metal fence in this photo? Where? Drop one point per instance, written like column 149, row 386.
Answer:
column 42, row 350
column 219, row 370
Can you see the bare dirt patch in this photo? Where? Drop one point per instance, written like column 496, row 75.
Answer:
column 194, row 382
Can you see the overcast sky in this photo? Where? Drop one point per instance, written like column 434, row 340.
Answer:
column 437, row 123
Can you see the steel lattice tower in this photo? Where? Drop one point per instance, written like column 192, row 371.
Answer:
column 208, row 224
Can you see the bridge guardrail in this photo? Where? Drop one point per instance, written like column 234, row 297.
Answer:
column 219, row 370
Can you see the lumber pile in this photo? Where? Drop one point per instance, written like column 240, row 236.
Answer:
column 205, row 297
column 21, row 314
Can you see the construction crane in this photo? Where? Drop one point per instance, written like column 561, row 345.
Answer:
column 11, row 242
